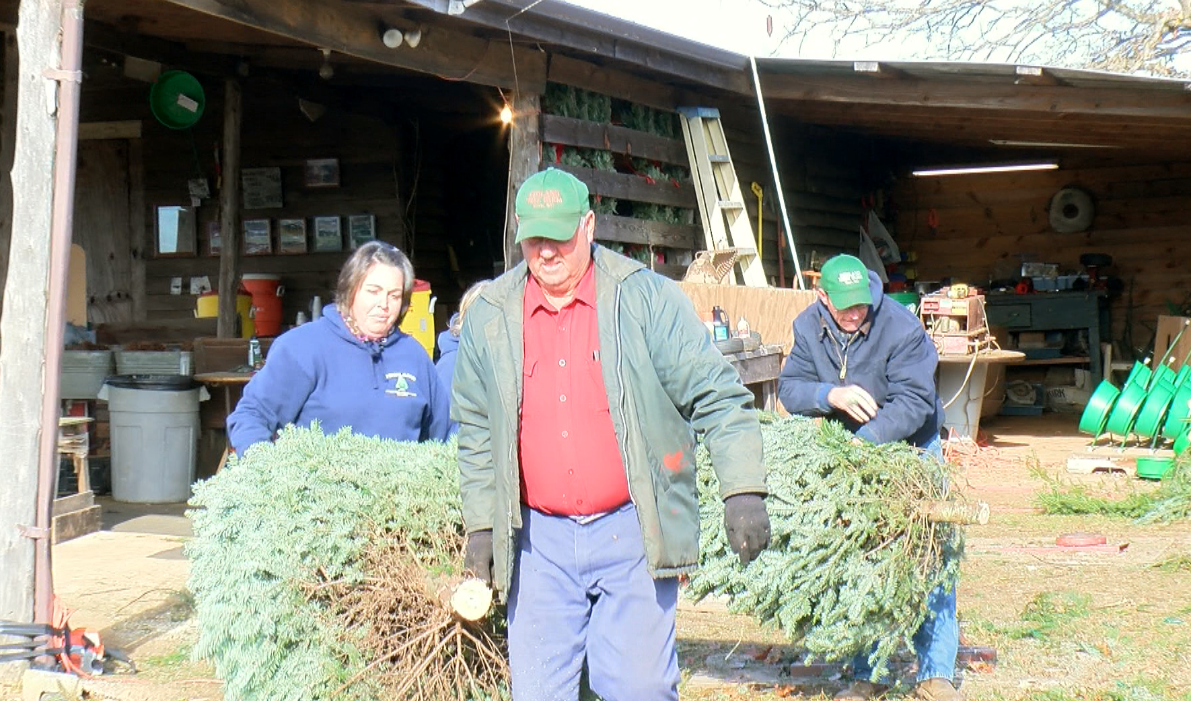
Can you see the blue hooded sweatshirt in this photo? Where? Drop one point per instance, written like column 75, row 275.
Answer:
column 448, row 345
column 891, row 358
column 322, row 372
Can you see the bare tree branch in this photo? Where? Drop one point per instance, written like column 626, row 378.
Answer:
column 1129, row 36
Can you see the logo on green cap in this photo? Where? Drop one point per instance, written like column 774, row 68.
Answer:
column 845, row 280
column 550, row 205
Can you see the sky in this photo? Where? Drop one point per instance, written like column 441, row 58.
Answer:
column 736, row 25
column 740, row 26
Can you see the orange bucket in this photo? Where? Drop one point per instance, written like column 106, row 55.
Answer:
column 266, row 291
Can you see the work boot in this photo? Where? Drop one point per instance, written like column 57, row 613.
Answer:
column 937, row 689
column 861, row 691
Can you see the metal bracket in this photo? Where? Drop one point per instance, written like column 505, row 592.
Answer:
column 34, row 532
column 63, row 76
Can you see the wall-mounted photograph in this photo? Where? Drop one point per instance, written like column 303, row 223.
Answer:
column 257, row 238
column 291, row 235
column 361, row 229
column 322, row 172
column 327, row 234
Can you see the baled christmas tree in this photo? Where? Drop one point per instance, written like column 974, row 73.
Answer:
column 860, row 536
column 321, row 567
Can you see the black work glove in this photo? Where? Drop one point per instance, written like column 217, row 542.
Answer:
column 477, row 556
column 747, row 522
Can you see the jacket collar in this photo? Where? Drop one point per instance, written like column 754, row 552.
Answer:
column 509, row 288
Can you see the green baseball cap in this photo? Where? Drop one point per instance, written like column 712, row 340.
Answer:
column 550, row 204
column 845, row 280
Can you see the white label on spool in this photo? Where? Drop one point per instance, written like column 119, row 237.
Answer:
column 187, row 104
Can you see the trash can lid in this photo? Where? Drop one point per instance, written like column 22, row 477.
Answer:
column 159, row 383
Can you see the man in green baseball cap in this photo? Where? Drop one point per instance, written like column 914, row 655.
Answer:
column 867, row 362
column 845, row 282
column 576, row 370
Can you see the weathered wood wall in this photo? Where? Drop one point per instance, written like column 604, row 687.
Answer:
column 416, row 176
column 988, row 222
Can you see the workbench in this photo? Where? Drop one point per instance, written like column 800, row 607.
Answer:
column 760, row 367
column 1084, row 310
column 962, row 381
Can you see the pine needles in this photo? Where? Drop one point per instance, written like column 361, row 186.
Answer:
column 316, row 565
column 1171, row 501
column 852, row 557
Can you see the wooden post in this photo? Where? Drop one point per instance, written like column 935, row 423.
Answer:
column 525, row 159
column 229, row 210
column 140, row 242
column 23, row 327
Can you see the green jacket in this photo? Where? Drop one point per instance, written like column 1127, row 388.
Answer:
column 666, row 382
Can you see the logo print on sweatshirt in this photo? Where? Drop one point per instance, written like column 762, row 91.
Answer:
column 401, row 381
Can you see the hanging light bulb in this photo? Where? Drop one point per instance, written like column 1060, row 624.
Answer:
column 506, row 114
column 326, row 71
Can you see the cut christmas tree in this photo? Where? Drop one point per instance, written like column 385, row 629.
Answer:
column 325, row 567
column 861, row 534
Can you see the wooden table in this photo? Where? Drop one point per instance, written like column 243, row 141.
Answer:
column 760, row 367
column 227, row 381
column 962, row 381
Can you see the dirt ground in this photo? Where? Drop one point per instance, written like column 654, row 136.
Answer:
column 1102, row 624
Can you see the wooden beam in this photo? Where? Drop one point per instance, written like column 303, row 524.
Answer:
column 655, row 233
column 983, row 97
column 608, row 37
column 876, row 69
column 634, row 187
column 606, row 137
column 1035, row 75
column 127, row 129
column 353, row 30
column 229, row 210
column 525, row 158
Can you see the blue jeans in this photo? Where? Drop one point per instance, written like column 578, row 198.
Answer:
column 583, row 592
column 936, row 642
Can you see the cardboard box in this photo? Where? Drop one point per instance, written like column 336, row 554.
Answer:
column 1168, row 329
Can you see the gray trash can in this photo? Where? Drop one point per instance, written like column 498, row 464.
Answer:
column 154, row 430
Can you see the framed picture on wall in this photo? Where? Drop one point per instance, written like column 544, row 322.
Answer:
column 322, row 172
column 258, row 240
column 291, row 235
column 361, row 229
column 327, row 234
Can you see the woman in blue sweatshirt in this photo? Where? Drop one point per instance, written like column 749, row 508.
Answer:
column 352, row 367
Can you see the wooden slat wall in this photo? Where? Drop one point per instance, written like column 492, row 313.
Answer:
column 987, row 222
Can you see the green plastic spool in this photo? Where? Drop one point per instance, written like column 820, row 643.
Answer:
column 1120, row 420
column 1139, row 374
column 1181, row 443
column 1095, row 414
column 1162, row 374
column 1152, row 468
column 1176, row 418
column 1181, row 378
column 1153, row 410
column 177, row 99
